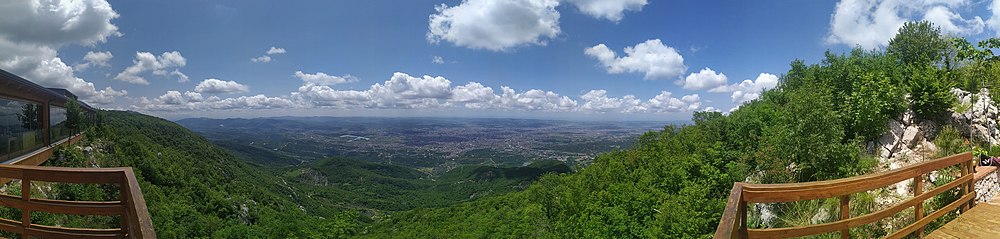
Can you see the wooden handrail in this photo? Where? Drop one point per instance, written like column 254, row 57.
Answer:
column 733, row 222
column 131, row 207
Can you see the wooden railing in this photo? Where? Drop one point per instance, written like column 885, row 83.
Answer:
column 130, row 208
column 734, row 219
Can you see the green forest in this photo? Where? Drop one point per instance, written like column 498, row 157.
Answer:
column 671, row 183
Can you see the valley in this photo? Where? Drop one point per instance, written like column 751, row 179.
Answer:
column 432, row 145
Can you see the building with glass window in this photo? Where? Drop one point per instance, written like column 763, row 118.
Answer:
column 32, row 117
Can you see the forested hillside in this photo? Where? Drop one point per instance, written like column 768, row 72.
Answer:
column 672, row 183
column 195, row 189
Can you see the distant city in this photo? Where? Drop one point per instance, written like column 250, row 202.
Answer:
column 426, row 143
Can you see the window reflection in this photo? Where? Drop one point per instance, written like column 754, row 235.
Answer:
column 57, row 123
column 20, row 127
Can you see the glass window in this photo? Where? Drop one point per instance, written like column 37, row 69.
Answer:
column 20, row 128
column 57, row 123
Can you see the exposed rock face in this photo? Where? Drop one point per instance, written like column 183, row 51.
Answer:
column 905, row 142
column 909, row 140
column 979, row 121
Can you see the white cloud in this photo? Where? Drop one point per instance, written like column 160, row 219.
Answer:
column 181, row 77
column 33, row 31
column 193, row 96
column 262, row 59
column 266, row 57
column 437, row 60
column 871, row 23
column 99, row 58
column 400, row 91
column 57, row 22
column 705, row 79
column 749, row 89
column 535, row 100
column 994, row 22
column 175, row 101
column 275, row 50
column 952, row 22
column 474, row 95
column 496, row 25
column 172, row 98
column 608, row 9
column 320, row 78
column 216, row 86
column 652, row 58
column 158, row 65
column 598, row 101
column 665, row 102
column 403, row 91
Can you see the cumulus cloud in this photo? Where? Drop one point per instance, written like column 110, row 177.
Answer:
column 496, row 25
column 598, row 101
column 612, row 10
column 535, row 100
column 216, row 86
column 474, row 95
column 275, row 50
column 437, row 60
column 57, row 22
column 158, row 65
column 871, row 23
column 665, row 102
column 175, row 101
column 267, row 55
column 262, row 59
column 748, row 90
column 652, row 58
column 994, row 22
column 99, row 58
column 33, row 31
column 403, row 91
column 320, row 78
column 705, row 79
column 400, row 91
column 952, row 22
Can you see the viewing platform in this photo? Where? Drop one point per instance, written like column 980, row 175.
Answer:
column 982, row 221
column 34, row 122
column 976, row 220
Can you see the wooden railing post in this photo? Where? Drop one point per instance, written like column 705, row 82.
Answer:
column 25, row 211
column 742, row 229
column 845, row 213
column 972, row 183
column 123, row 199
column 918, row 210
column 964, row 188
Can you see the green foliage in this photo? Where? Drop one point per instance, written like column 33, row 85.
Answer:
column 869, row 106
column 918, row 43
column 74, row 115
column 949, row 141
column 931, row 95
column 194, row 189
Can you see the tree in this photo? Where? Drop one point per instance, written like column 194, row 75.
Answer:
column 74, row 115
column 918, row 43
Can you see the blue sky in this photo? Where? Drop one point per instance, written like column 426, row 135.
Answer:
column 517, row 58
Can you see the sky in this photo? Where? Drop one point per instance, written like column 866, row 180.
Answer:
column 564, row 59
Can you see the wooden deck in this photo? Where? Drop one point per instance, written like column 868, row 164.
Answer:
column 982, row 221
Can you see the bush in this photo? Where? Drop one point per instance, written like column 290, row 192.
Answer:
column 930, row 94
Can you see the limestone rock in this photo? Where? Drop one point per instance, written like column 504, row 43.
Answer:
column 821, row 215
column 912, row 136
